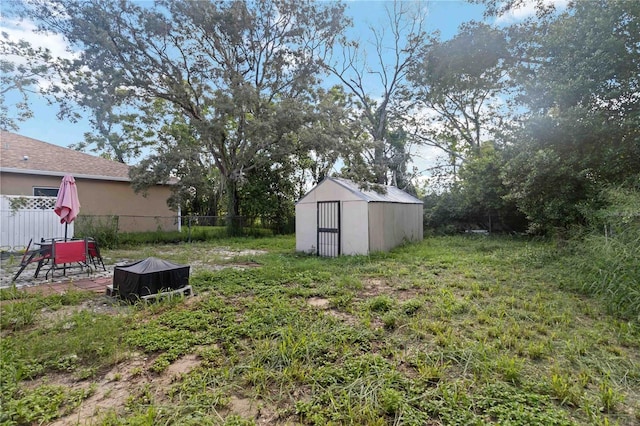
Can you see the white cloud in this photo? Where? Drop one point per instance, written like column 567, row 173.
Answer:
column 528, row 9
column 25, row 30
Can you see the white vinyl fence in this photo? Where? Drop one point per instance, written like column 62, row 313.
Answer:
column 24, row 218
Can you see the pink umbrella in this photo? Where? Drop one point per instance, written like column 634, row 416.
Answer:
column 67, row 203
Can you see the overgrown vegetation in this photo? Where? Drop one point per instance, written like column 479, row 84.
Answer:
column 605, row 254
column 453, row 330
column 112, row 239
column 104, row 229
column 196, row 233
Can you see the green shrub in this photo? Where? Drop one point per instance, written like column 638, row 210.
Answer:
column 193, row 234
column 104, row 229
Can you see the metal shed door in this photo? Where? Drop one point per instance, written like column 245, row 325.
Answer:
column 328, row 228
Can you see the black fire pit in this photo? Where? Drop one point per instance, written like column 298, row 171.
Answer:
column 147, row 277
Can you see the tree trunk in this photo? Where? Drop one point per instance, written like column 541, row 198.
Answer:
column 490, row 224
column 379, row 166
column 234, row 224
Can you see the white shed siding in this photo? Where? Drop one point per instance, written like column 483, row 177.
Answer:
column 354, row 227
column 390, row 224
column 306, row 236
column 369, row 221
column 328, row 190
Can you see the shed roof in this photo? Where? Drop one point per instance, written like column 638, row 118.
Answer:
column 20, row 154
column 393, row 194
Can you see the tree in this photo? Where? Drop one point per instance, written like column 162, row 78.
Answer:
column 458, row 85
column 179, row 156
column 483, row 192
column 238, row 72
column 22, row 67
column 381, row 100
column 579, row 77
column 270, row 195
column 329, row 135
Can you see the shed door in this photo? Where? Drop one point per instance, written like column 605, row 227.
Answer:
column 328, row 228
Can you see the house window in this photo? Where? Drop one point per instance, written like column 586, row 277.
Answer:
column 39, row 191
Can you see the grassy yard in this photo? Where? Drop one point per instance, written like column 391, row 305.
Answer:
column 449, row 331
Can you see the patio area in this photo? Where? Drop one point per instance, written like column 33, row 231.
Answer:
column 76, row 279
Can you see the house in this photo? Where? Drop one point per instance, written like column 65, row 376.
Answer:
column 33, row 168
column 338, row 217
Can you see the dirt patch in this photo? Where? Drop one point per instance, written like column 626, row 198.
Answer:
column 117, row 385
column 224, row 253
column 100, row 305
column 373, row 287
column 182, row 366
column 111, row 392
column 252, row 409
column 202, row 266
column 229, row 254
column 243, row 407
column 344, row 317
column 322, row 303
column 318, row 302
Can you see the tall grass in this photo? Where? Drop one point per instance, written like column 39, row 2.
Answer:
column 195, row 234
column 609, row 267
column 605, row 260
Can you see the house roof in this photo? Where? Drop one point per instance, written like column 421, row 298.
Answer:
column 20, row 154
column 393, row 194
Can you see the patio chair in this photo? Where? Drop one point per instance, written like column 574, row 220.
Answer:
column 94, row 253
column 37, row 255
column 66, row 253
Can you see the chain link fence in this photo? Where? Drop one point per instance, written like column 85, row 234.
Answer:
column 111, row 230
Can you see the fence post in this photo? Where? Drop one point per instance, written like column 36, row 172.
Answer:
column 189, row 226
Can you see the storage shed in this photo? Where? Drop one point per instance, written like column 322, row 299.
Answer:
column 337, row 217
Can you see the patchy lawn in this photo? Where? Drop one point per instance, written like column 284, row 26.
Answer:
column 458, row 330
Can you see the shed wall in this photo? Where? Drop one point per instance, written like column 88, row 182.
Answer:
column 354, row 238
column 365, row 227
column 390, row 224
column 355, row 227
column 306, row 226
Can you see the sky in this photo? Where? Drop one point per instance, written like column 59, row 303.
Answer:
column 444, row 16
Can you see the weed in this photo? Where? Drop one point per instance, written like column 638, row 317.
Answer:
column 381, row 303
column 19, row 314
column 412, row 306
column 537, row 350
column 564, row 390
column 510, row 367
column 40, row 405
column 609, row 397
column 389, row 319
column 342, row 301
column 391, row 400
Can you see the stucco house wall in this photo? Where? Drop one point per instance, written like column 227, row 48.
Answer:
column 104, row 186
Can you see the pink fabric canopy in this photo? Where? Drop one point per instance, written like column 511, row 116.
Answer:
column 67, row 204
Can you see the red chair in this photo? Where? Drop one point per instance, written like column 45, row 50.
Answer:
column 94, row 253
column 68, row 252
